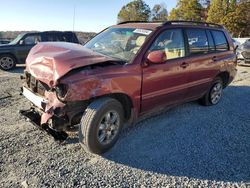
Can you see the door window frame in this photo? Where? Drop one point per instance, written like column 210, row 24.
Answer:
column 28, row 35
column 187, row 42
column 228, row 46
column 157, row 36
column 209, row 51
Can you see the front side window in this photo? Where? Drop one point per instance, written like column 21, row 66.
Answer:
column 197, row 40
column 220, row 41
column 171, row 42
column 32, row 39
column 119, row 43
column 17, row 39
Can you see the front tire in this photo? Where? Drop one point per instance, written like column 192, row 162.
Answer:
column 214, row 94
column 7, row 62
column 101, row 125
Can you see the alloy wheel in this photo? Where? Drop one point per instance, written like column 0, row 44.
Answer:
column 7, row 63
column 108, row 127
column 216, row 93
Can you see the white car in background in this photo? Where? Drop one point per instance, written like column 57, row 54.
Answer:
column 243, row 52
column 236, row 43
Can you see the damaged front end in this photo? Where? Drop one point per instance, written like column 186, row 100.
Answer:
column 35, row 119
column 60, row 80
column 49, row 112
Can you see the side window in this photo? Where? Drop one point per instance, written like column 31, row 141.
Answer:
column 32, row 39
column 171, row 42
column 220, row 41
column 58, row 37
column 197, row 40
column 49, row 37
column 210, row 42
column 67, row 37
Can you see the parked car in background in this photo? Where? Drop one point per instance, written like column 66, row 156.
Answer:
column 243, row 52
column 127, row 71
column 236, row 43
column 4, row 41
column 17, row 50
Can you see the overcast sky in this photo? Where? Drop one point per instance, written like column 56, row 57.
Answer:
column 90, row 15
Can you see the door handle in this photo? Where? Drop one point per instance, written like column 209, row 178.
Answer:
column 214, row 58
column 184, row 65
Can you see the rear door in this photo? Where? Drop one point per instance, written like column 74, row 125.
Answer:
column 165, row 83
column 204, row 59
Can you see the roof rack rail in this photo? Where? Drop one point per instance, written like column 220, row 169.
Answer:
column 139, row 22
column 208, row 24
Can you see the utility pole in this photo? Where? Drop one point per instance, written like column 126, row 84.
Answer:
column 74, row 15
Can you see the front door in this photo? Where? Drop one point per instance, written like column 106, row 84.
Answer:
column 165, row 83
column 27, row 42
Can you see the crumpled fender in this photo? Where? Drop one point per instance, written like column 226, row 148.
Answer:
column 93, row 83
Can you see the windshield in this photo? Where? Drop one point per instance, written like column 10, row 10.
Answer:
column 17, row 39
column 119, row 43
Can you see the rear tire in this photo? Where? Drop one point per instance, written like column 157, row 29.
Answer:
column 214, row 94
column 101, row 125
column 7, row 62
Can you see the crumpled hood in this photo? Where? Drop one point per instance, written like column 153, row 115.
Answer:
column 49, row 61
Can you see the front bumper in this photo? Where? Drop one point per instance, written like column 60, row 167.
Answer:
column 38, row 101
column 35, row 118
column 46, row 105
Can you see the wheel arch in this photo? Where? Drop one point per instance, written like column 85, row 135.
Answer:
column 11, row 54
column 124, row 99
column 225, row 78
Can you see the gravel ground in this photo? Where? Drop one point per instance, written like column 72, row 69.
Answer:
column 189, row 145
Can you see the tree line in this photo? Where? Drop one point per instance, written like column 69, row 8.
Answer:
column 234, row 15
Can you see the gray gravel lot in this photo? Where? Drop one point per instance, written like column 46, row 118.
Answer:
column 189, row 145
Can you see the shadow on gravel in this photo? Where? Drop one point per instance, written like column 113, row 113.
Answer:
column 209, row 143
column 18, row 70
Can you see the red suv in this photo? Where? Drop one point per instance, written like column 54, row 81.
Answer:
column 127, row 71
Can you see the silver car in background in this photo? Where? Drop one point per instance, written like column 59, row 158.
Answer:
column 243, row 52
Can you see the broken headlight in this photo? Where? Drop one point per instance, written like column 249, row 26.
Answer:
column 61, row 91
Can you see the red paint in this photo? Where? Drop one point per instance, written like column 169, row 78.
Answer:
column 49, row 61
column 157, row 57
column 148, row 85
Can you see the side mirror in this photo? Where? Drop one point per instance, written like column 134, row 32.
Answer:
column 157, row 57
column 21, row 42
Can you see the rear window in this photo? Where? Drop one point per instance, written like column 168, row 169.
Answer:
column 51, row 37
column 67, row 37
column 197, row 40
column 220, row 41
